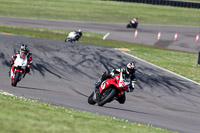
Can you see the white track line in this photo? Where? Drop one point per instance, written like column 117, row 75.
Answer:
column 5, row 93
column 161, row 68
column 106, row 35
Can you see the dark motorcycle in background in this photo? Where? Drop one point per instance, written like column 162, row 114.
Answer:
column 132, row 25
column 109, row 90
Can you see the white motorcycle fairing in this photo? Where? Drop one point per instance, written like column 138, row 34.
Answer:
column 122, row 82
column 72, row 35
column 19, row 62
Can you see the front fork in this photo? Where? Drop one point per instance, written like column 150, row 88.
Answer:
column 12, row 74
column 96, row 94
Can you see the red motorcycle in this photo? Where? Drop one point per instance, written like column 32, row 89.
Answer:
column 111, row 89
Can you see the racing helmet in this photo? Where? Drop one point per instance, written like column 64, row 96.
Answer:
column 130, row 68
column 79, row 30
column 24, row 49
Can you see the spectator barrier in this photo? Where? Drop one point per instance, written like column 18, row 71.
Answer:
column 166, row 2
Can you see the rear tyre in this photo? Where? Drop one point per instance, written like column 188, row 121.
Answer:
column 17, row 75
column 122, row 99
column 106, row 96
column 90, row 99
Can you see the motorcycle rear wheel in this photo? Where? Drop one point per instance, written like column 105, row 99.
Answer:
column 106, row 96
column 128, row 26
column 16, row 80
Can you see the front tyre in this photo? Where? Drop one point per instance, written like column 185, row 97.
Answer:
column 106, row 96
column 90, row 99
column 16, row 79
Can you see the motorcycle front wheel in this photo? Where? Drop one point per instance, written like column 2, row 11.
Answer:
column 106, row 96
column 16, row 79
column 90, row 99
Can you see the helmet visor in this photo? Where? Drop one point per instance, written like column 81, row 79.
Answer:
column 24, row 52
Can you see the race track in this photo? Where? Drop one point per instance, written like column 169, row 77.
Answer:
column 64, row 74
column 147, row 34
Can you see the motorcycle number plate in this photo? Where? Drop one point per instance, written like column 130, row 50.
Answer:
column 121, row 84
column 103, row 85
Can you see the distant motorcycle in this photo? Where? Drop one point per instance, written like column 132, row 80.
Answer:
column 111, row 89
column 19, row 70
column 133, row 23
column 72, row 37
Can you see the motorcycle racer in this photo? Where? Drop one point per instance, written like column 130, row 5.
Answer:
column 24, row 52
column 79, row 33
column 74, row 36
column 134, row 20
column 128, row 74
column 133, row 23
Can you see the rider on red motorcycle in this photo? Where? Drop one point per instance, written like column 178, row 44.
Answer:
column 24, row 51
column 128, row 74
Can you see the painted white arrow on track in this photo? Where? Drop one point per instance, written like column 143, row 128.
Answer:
column 105, row 36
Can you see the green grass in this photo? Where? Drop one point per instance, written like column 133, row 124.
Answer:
column 100, row 11
column 178, row 0
column 182, row 63
column 20, row 115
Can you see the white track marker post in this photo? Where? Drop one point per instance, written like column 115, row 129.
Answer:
column 197, row 38
column 159, row 35
column 136, row 34
column 176, row 36
column 105, row 36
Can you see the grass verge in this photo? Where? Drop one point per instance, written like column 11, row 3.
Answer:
column 20, row 115
column 100, row 11
column 182, row 63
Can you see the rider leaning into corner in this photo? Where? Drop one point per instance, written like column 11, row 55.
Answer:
column 128, row 74
column 134, row 20
column 79, row 32
column 23, row 52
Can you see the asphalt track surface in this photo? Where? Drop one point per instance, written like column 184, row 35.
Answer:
column 64, row 74
column 147, row 34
